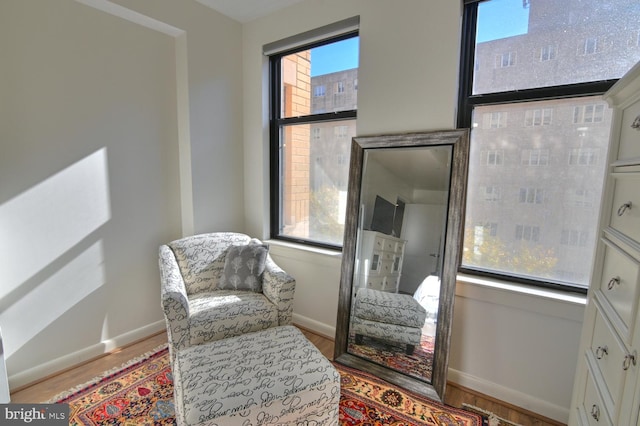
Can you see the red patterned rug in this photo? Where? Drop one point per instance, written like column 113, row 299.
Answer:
column 419, row 364
column 141, row 393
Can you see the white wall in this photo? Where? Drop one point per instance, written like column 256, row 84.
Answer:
column 408, row 82
column 97, row 105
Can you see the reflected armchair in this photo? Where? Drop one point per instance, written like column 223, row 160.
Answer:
column 203, row 303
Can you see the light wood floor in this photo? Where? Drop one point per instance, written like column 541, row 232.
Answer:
column 51, row 386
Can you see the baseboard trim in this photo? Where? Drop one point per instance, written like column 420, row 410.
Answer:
column 511, row 396
column 55, row 366
column 315, row 326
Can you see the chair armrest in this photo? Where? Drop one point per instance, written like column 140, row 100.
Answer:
column 173, row 294
column 279, row 287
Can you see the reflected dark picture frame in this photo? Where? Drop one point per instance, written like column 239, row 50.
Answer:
column 459, row 141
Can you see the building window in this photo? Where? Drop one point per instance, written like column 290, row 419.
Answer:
column 538, row 117
column 589, row 46
column 548, row 53
column 506, row 59
column 580, row 197
column 494, row 120
column 593, row 113
column 583, row 157
column 341, row 131
column 527, row 233
column 307, row 196
column 574, row 238
column 492, row 157
column 490, row 193
column 535, row 157
column 531, row 195
column 556, row 119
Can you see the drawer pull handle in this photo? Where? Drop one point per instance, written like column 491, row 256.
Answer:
column 623, row 208
column 595, row 412
column 629, row 360
column 601, row 351
column 612, row 282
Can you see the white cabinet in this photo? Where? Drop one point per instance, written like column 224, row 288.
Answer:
column 607, row 385
column 380, row 261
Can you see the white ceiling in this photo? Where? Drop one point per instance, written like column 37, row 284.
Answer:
column 247, row 10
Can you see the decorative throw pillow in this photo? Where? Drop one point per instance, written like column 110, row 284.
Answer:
column 243, row 267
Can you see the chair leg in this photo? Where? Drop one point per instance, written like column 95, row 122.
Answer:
column 410, row 349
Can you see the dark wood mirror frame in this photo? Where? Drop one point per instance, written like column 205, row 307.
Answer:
column 459, row 141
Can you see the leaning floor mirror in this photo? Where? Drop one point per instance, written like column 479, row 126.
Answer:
column 401, row 252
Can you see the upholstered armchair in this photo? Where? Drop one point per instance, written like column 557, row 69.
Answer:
column 206, row 296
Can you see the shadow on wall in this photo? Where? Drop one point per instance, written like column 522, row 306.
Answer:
column 51, row 256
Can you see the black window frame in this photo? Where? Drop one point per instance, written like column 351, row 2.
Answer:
column 467, row 101
column 276, row 122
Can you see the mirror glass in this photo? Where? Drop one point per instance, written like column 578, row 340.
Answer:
column 400, row 256
column 400, row 242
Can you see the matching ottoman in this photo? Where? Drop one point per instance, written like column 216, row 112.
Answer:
column 270, row 377
column 391, row 317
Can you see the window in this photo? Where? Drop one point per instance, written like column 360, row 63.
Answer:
column 507, row 59
column 580, row 197
column 548, row 53
column 583, row 157
column 490, row 193
column 493, row 157
column 574, row 238
column 531, row 195
column 524, row 111
column 538, row 117
column 311, row 133
column 593, row 113
column 527, row 233
column 535, row 157
column 589, row 46
column 494, row 120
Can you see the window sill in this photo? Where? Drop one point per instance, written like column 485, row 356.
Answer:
column 519, row 296
column 302, row 251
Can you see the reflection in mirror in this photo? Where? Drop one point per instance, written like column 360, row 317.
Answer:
column 396, row 281
column 401, row 253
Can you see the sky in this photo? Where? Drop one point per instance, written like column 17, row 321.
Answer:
column 500, row 19
column 496, row 19
column 335, row 57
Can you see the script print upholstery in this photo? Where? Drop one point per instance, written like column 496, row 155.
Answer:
column 388, row 316
column 197, row 311
column 275, row 376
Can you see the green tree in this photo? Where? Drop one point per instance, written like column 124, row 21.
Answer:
column 521, row 258
column 323, row 215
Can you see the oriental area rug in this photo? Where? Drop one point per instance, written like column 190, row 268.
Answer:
column 419, row 364
column 141, row 393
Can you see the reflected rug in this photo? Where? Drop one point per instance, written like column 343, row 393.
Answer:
column 141, row 393
column 419, row 364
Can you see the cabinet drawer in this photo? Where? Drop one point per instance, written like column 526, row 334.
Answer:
column 625, row 213
column 629, row 136
column 391, row 284
column 386, row 267
column 592, row 408
column 379, row 243
column 619, row 285
column 608, row 352
column 376, row 283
